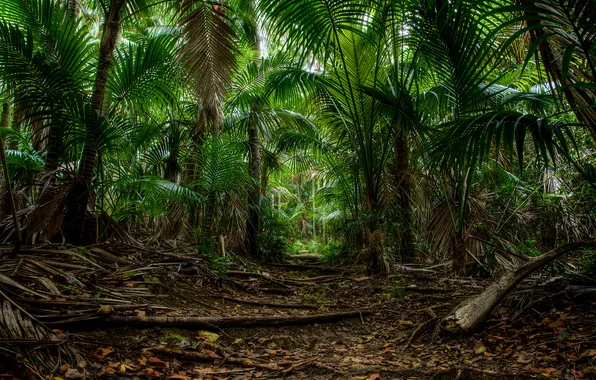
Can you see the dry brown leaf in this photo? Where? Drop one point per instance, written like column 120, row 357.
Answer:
column 102, row 352
column 158, row 362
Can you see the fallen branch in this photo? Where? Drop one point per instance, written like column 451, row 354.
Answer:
column 292, row 280
column 273, row 304
column 474, row 312
column 307, row 267
column 222, row 322
column 419, row 330
column 265, row 276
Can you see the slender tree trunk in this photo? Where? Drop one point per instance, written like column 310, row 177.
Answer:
column 172, row 167
column 404, row 186
column 78, row 197
column 4, row 122
column 302, row 220
column 373, row 236
column 73, row 8
column 459, row 255
column 54, row 149
column 253, row 224
column 173, row 222
column 17, row 118
column 264, row 178
column 314, row 225
column 473, row 313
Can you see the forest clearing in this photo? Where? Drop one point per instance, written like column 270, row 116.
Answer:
column 297, row 189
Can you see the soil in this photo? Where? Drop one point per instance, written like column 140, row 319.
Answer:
column 399, row 340
column 397, row 331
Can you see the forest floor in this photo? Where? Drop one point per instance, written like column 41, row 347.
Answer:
column 392, row 332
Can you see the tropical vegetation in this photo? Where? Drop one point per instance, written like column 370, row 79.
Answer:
column 375, row 132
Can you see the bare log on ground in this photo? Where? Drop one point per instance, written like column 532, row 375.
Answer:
column 473, row 313
column 244, row 321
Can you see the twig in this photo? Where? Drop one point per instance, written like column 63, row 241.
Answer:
column 418, row 331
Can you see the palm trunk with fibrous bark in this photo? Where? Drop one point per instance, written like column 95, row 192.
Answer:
column 253, row 223
column 79, row 194
column 4, row 122
column 404, row 187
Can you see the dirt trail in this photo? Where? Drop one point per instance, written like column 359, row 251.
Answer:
column 128, row 312
column 398, row 340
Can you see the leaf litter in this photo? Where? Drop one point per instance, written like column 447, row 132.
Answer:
column 57, row 303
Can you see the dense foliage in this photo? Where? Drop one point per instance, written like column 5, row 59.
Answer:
column 370, row 131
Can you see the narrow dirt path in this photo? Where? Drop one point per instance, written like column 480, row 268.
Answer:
column 395, row 337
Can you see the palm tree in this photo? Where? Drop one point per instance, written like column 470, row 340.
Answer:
column 255, row 107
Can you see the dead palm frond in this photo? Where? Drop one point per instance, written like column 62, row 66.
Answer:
column 208, row 54
column 441, row 229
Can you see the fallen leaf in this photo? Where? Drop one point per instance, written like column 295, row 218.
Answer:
column 208, row 335
column 524, row 360
column 73, row 374
column 374, row 376
column 105, row 310
column 158, row 362
column 591, row 352
column 102, row 352
column 480, row 350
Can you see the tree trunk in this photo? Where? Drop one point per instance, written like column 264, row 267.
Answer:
column 4, row 122
column 172, row 166
column 214, row 323
column 78, row 196
column 54, row 149
column 474, row 312
column 402, row 154
column 373, row 236
column 264, row 178
column 17, row 118
column 253, row 224
column 459, row 255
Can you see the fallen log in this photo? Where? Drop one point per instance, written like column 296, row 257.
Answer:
column 279, row 305
column 473, row 313
column 222, row 322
